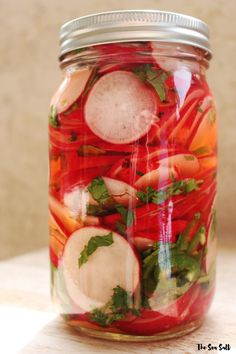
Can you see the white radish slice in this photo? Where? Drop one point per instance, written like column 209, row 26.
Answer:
column 180, row 165
column 186, row 164
column 91, row 285
column 120, row 108
column 155, row 177
column 70, row 89
column 120, row 191
column 169, row 58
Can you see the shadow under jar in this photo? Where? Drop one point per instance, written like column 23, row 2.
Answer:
column 133, row 143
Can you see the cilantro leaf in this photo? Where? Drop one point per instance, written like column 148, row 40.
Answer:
column 99, row 191
column 96, row 210
column 120, row 300
column 154, row 77
column 94, row 243
column 99, row 317
column 53, row 117
column 161, row 195
column 119, row 305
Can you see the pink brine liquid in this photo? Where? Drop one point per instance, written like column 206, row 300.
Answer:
column 133, row 141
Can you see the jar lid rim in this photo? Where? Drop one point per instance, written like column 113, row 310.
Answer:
column 133, row 25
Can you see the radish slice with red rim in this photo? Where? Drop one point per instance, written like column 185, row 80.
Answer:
column 70, row 89
column 169, row 59
column 120, row 108
column 91, row 285
column 121, row 192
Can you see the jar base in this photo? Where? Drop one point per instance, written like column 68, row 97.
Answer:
column 122, row 337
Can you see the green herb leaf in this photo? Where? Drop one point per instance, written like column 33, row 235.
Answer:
column 120, row 300
column 126, row 214
column 183, row 240
column 99, row 317
column 177, row 187
column 94, row 243
column 97, row 210
column 160, row 268
column 53, row 117
column 198, row 239
column 154, row 77
column 135, row 312
column 116, row 309
column 139, row 173
column 99, row 191
column 121, row 228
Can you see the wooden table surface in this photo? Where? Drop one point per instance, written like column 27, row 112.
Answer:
column 28, row 324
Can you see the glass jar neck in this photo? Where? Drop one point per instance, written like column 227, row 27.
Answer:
column 136, row 52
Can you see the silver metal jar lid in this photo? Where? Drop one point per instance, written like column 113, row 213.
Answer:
column 133, row 25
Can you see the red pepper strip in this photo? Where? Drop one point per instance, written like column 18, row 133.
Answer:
column 64, row 132
column 63, row 142
column 143, row 224
column 128, row 169
column 71, row 116
column 183, row 122
column 191, row 205
column 76, row 162
column 154, row 231
column 182, row 205
column 124, row 55
column 191, row 120
column 170, row 123
column 122, row 48
column 196, row 123
column 153, row 322
column 111, row 220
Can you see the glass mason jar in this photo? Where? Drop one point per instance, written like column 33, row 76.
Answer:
column 133, row 143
